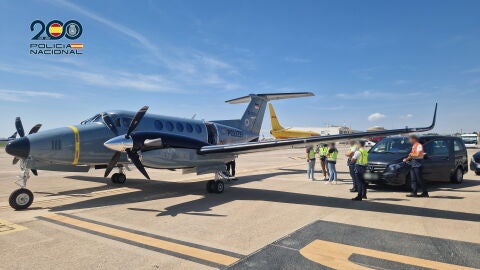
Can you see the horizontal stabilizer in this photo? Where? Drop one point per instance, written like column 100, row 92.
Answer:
column 271, row 96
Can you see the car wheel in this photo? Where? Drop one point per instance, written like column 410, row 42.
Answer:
column 457, row 177
column 477, row 172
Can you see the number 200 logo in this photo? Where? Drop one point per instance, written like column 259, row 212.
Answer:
column 56, row 30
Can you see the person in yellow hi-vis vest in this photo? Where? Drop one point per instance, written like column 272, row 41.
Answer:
column 331, row 162
column 360, row 158
column 311, row 162
column 323, row 152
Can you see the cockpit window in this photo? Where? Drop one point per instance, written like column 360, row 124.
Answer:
column 95, row 118
column 126, row 121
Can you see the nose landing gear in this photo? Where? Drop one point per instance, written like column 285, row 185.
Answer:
column 119, row 178
column 22, row 198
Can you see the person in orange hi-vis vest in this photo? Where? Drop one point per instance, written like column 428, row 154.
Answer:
column 415, row 159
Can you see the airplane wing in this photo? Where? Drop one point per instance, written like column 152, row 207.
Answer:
column 251, row 147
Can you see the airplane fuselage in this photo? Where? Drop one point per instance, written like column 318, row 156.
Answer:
column 83, row 144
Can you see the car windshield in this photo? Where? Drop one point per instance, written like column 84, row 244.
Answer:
column 392, row 145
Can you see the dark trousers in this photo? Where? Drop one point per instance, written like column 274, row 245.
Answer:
column 360, row 180
column 231, row 167
column 351, row 169
column 417, row 180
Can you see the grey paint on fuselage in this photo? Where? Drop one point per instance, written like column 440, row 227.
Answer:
column 58, row 145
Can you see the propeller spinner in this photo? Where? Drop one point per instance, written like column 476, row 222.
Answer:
column 125, row 144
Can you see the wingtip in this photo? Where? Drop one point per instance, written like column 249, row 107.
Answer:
column 434, row 116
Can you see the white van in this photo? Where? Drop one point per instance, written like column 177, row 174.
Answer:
column 470, row 140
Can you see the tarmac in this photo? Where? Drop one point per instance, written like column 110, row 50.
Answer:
column 273, row 217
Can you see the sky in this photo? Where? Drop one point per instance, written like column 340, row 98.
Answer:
column 369, row 63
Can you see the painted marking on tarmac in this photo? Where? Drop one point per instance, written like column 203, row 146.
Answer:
column 197, row 253
column 337, row 256
column 7, row 227
column 332, row 245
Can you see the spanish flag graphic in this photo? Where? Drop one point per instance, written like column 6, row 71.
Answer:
column 76, row 45
column 55, row 29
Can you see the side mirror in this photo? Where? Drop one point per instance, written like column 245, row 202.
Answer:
column 425, row 156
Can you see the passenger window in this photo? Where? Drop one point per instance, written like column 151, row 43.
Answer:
column 169, row 126
column 437, row 148
column 179, row 127
column 198, row 128
column 458, row 146
column 189, row 128
column 158, row 124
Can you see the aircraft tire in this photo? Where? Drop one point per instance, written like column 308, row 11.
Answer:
column 211, row 186
column 219, row 186
column 121, row 178
column 21, row 199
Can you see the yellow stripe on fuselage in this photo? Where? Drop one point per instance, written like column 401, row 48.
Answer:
column 76, row 156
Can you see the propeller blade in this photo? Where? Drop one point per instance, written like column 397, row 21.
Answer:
column 136, row 161
column 108, row 121
column 35, row 129
column 35, row 172
column 15, row 160
column 19, row 127
column 138, row 117
column 112, row 163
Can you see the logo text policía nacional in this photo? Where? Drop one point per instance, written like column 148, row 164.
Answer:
column 53, row 31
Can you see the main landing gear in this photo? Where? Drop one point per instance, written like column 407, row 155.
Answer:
column 119, row 178
column 217, row 185
column 22, row 198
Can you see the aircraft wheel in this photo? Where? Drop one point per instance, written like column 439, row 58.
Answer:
column 219, row 186
column 115, row 178
column 211, row 186
column 21, row 199
column 121, row 178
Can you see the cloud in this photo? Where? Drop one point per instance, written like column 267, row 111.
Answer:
column 111, row 78
column 368, row 94
column 182, row 64
column 297, row 60
column 406, row 116
column 376, row 117
column 24, row 95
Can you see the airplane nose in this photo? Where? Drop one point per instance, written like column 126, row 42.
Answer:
column 19, row 148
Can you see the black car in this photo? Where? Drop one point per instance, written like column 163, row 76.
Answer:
column 475, row 163
column 445, row 160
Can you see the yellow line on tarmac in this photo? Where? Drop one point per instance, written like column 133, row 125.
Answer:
column 8, row 227
column 146, row 240
column 336, row 255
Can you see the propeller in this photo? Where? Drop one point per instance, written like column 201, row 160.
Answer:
column 131, row 152
column 21, row 133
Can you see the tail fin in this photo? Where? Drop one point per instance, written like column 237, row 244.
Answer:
column 273, row 118
column 252, row 119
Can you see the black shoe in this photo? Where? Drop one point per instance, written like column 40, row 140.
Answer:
column 358, row 198
column 425, row 195
column 364, row 197
column 353, row 190
column 414, row 195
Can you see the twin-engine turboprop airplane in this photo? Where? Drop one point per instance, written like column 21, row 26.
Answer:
column 115, row 139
